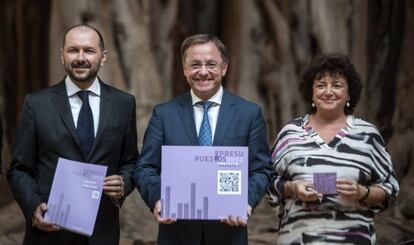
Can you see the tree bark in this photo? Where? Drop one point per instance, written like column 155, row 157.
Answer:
column 401, row 143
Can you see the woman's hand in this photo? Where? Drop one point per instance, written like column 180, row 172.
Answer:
column 350, row 189
column 303, row 190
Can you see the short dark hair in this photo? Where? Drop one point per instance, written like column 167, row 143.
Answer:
column 101, row 40
column 333, row 64
column 201, row 39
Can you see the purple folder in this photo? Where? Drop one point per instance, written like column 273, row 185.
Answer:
column 204, row 182
column 75, row 195
column 325, row 183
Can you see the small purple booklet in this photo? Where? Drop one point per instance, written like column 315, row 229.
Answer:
column 204, row 182
column 75, row 195
column 325, row 183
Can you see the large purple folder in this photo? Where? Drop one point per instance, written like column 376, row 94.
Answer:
column 75, row 195
column 204, row 182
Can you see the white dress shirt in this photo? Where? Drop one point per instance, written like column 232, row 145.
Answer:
column 212, row 112
column 76, row 103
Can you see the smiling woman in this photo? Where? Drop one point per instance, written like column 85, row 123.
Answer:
column 336, row 70
column 332, row 87
column 330, row 140
column 330, row 94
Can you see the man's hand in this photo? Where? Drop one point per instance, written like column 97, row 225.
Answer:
column 113, row 186
column 39, row 222
column 157, row 215
column 237, row 221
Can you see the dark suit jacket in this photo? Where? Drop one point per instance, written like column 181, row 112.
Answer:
column 240, row 123
column 46, row 132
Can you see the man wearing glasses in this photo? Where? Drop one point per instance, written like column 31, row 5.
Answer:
column 232, row 121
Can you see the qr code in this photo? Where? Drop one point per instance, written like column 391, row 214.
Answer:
column 95, row 194
column 229, row 182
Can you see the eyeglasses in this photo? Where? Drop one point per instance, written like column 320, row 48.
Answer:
column 211, row 66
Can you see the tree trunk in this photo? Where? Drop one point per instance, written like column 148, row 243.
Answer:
column 401, row 144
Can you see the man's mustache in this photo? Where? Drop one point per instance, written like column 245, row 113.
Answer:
column 80, row 65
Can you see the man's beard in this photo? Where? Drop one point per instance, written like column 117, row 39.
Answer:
column 90, row 76
column 87, row 76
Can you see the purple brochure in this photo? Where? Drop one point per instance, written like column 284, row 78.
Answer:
column 204, row 182
column 75, row 195
column 325, row 183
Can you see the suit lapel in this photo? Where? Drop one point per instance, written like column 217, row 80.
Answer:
column 187, row 116
column 104, row 114
column 224, row 118
column 61, row 101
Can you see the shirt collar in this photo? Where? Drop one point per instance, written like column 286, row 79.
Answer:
column 350, row 121
column 72, row 89
column 215, row 98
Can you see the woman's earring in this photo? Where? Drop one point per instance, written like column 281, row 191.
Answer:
column 347, row 104
column 313, row 105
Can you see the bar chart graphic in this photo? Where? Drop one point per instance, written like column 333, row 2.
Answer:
column 59, row 212
column 191, row 211
column 190, row 185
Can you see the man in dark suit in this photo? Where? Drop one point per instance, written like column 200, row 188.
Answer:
column 232, row 121
column 82, row 119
